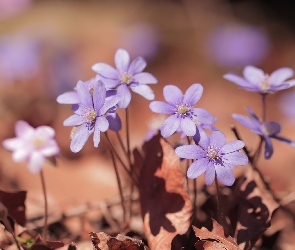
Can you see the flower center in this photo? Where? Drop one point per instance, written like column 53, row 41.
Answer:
column 265, row 83
column 183, row 110
column 213, row 152
column 89, row 117
column 126, row 78
column 38, row 143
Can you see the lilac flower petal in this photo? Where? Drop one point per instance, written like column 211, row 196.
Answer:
column 197, row 168
column 13, row 143
column 188, row 126
column 203, row 116
column 73, row 120
column 110, row 102
column 193, row 94
column 125, row 95
column 23, row 129
column 80, row 138
column 99, row 95
column 106, row 71
column 252, row 114
column 35, row 162
column 145, row 78
column 282, row 86
column 204, row 140
column 232, row 146
column 272, row 128
column 84, row 94
column 253, row 74
column 190, row 152
column 237, row 80
column 22, row 153
column 169, row 126
column 101, row 124
column 210, row 173
column 172, row 94
column 268, row 148
column 114, row 120
column 217, row 139
column 144, row 91
column 235, row 159
column 50, row 149
column 137, row 65
column 225, row 174
column 110, row 83
column 280, row 75
column 248, row 123
column 122, row 60
column 45, row 131
column 68, row 98
column 285, row 140
column 161, row 107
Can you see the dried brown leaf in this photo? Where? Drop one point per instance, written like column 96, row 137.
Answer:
column 15, row 204
column 253, row 211
column 102, row 241
column 214, row 239
column 165, row 203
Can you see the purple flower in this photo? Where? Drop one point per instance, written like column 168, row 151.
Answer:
column 213, row 156
column 256, row 80
column 32, row 145
column 127, row 75
column 184, row 116
column 267, row 130
column 72, row 97
column 90, row 114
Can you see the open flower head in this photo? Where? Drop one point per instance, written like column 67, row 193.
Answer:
column 126, row 75
column 258, row 81
column 32, row 145
column 72, row 97
column 213, row 157
column 90, row 114
column 184, row 116
column 268, row 129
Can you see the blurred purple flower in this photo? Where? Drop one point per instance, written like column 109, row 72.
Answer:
column 213, row 156
column 267, row 130
column 141, row 39
column 32, row 145
column 19, row 58
column 256, row 80
column 10, row 8
column 237, row 46
column 90, row 114
column 183, row 115
column 127, row 75
column 287, row 104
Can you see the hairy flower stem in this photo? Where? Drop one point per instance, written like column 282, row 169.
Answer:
column 121, row 161
column 221, row 218
column 128, row 138
column 7, row 225
column 44, row 235
column 121, row 143
column 263, row 97
column 119, row 185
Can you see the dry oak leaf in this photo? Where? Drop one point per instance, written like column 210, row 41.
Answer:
column 165, row 204
column 215, row 240
column 103, row 241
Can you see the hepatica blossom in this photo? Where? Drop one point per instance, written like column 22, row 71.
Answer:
column 184, row 116
column 213, row 157
column 126, row 75
column 32, row 145
column 267, row 130
column 90, row 114
column 258, row 81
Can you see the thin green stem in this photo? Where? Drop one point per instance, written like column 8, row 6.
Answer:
column 119, row 184
column 263, row 97
column 44, row 235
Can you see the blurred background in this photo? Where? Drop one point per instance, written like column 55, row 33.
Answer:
column 46, row 46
